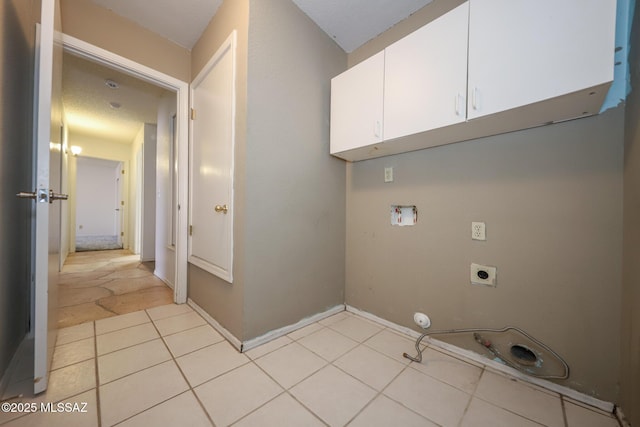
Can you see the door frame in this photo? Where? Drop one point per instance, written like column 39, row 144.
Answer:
column 119, row 204
column 181, row 88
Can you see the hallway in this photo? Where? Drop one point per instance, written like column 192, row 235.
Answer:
column 99, row 284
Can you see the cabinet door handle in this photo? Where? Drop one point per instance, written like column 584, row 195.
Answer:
column 475, row 99
column 376, row 129
column 459, row 102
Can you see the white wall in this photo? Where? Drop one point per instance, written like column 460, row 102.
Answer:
column 148, row 250
column 96, row 193
column 64, row 189
column 142, row 193
column 135, row 191
column 102, row 149
column 165, row 252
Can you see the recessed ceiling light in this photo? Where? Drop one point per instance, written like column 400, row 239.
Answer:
column 115, row 105
column 111, row 84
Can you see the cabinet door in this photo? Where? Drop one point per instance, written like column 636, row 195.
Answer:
column 525, row 51
column 356, row 105
column 426, row 77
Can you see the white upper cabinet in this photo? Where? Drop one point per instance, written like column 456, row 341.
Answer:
column 484, row 68
column 356, row 105
column 522, row 52
column 425, row 77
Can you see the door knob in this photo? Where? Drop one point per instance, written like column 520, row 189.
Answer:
column 57, row 196
column 223, row 209
column 40, row 195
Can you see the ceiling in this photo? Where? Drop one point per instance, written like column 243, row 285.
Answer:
column 351, row 23
column 181, row 21
column 87, row 99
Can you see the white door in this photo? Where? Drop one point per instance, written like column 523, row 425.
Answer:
column 425, row 78
column 211, row 195
column 47, row 166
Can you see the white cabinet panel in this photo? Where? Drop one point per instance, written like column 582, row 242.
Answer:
column 425, row 80
column 356, row 105
column 212, row 164
column 522, row 52
column 518, row 63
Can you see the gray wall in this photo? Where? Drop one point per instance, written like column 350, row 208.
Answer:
column 295, row 200
column 630, row 373
column 551, row 198
column 289, row 202
column 224, row 302
column 17, row 32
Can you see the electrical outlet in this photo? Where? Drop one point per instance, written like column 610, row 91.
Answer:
column 478, row 231
column 388, row 174
column 483, row 275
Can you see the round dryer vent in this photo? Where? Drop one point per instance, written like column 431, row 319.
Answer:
column 523, row 355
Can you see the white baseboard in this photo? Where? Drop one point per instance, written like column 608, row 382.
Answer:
column 269, row 336
column 277, row 333
column 217, row 326
column 468, row 354
column 464, row 353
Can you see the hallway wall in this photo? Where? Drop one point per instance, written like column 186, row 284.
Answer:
column 289, row 192
column 94, row 24
column 294, row 242
column 165, row 251
column 222, row 301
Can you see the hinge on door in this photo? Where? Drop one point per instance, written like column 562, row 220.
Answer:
column 193, row 114
column 122, row 171
column 121, row 202
column 121, row 233
column 191, row 230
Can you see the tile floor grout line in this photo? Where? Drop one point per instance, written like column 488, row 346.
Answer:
column 509, row 410
column 185, row 330
column 471, row 397
column 305, row 406
column 381, row 393
column 564, row 411
column 95, row 354
column 146, row 368
column 186, row 380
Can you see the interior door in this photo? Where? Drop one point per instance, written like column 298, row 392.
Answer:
column 48, row 141
column 119, row 202
column 213, row 124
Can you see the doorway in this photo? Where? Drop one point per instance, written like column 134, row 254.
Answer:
column 177, row 254
column 98, row 205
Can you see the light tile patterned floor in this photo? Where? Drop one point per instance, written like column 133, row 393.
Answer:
column 100, row 284
column 165, row 366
